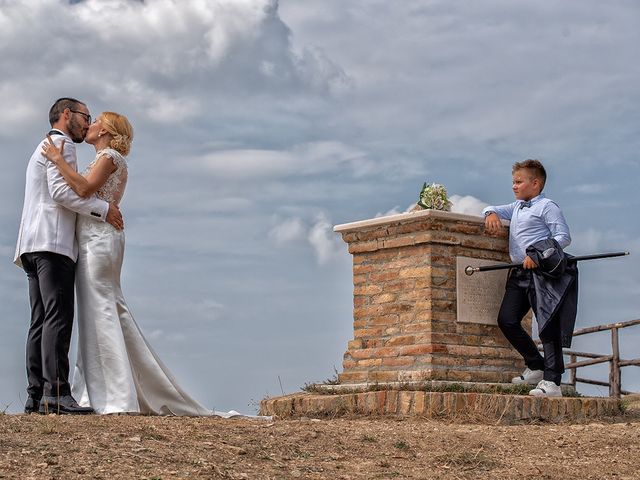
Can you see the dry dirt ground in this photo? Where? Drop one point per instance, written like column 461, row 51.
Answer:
column 128, row 447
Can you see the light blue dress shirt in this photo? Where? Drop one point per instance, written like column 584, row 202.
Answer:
column 543, row 219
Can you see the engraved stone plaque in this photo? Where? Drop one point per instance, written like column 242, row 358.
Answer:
column 479, row 296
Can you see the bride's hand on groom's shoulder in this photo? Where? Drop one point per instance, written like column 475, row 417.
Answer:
column 51, row 152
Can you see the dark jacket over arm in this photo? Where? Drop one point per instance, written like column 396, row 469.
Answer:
column 555, row 288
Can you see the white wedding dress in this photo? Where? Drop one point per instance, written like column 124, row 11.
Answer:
column 117, row 371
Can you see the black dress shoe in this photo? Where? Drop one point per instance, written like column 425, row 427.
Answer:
column 63, row 406
column 32, row 405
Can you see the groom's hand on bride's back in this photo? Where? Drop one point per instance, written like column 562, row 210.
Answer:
column 114, row 217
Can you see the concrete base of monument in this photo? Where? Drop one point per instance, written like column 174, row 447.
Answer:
column 431, row 386
column 463, row 406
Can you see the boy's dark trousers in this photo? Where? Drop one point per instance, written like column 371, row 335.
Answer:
column 519, row 295
column 51, row 278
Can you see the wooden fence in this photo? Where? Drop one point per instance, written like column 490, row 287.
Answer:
column 615, row 362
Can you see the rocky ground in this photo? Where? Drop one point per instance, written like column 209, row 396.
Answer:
column 135, row 447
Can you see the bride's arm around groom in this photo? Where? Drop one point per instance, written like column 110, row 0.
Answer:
column 84, row 186
column 70, row 189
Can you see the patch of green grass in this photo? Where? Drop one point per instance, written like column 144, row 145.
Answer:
column 468, row 460
column 401, row 445
column 368, row 438
column 314, row 387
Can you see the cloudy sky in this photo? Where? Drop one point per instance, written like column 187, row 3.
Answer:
column 261, row 124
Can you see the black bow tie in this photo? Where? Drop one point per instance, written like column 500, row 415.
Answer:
column 55, row 132
column 525, row 204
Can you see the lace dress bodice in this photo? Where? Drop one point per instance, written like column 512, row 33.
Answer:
column 113, row 189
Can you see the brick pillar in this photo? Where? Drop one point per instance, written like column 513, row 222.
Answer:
column 405, row 307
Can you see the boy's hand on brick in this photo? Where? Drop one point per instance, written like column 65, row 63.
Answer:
column 529, row 264
column 492, row 224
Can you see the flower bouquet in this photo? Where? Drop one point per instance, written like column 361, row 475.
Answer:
column 434, row 197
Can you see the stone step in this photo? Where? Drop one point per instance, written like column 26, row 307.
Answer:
column 464, row 406
column 432, row 385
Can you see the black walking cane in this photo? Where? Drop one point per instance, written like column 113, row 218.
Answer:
column 471, row 270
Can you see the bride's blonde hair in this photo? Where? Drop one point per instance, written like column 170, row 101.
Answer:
column 120, row 129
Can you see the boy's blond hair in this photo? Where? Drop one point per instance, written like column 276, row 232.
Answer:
column 534, row 167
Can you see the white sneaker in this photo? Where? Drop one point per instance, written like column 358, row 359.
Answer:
column 528, row 377
column 546, row 389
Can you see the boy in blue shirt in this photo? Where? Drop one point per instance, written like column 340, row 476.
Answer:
column 533, row 218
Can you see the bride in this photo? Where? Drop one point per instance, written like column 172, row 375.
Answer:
column 116, row 371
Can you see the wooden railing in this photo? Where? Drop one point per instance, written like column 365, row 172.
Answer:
column 615, row 362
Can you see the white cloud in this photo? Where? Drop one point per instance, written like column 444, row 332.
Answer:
column 394, row 211
column 248, row 163
column 313, row 60
column 160, row 105
column 209, row 309
column 156, row 334
column 312, row 158
column 467, row 204
column 325, row 243
column 450, row 97
column 287, row 231
column 162, row 60
column 326, row 246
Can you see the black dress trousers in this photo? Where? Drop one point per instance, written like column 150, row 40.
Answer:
column 51, row 294
column 518, row 298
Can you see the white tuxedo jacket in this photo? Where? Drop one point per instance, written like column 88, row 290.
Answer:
column 48, row 221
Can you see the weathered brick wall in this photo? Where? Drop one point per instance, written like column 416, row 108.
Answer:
column 404, row 299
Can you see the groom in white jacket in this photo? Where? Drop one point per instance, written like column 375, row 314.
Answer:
column 47, row 251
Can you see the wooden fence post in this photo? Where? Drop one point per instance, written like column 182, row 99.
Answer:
column 614, row 372
column 573, row 372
